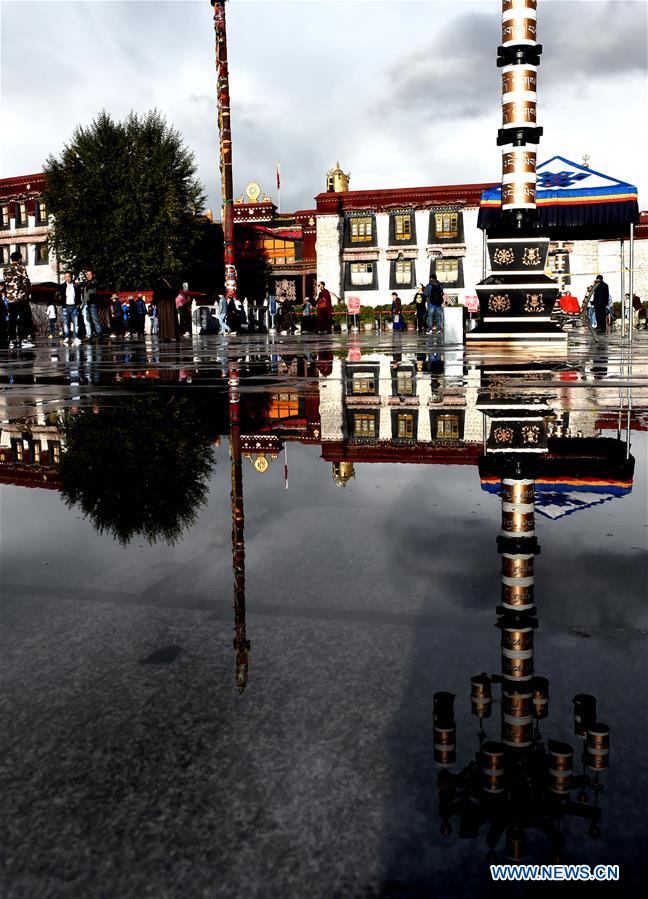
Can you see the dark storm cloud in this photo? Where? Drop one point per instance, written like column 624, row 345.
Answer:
column 452, row 75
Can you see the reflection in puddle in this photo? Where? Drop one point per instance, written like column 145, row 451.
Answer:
column 355, row 556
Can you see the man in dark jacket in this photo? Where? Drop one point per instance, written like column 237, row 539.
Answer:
column 600, row 299
column 434, row 295
column 89, row 306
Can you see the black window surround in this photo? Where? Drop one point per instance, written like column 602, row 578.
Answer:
column 400, row 242
column 347, row 242
column 40, row 218
column 433, row 237
column 449, row 285
column 5, row 225
column 19, row 219
column 393, row 283
column 372, row 285
column 357, row 435
column 38, row 260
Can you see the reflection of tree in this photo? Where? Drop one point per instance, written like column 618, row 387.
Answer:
column 138, row 468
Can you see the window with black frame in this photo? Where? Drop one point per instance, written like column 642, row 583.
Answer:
column 41, row 212
column 21, row 214
column 42, row 254
column 361, row 229
column 446, row 226
column 5, row 217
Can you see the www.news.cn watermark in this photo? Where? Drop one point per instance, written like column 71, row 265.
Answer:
column 554, row 872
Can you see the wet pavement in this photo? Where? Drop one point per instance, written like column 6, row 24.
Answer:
column 235, row 573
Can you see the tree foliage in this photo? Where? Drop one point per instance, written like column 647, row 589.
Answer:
column 139, row 467
column 126, row 200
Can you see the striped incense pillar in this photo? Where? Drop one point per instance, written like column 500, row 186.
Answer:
column 519, row 58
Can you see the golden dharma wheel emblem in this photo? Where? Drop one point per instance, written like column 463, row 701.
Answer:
column 261, row 464
column 253, row 191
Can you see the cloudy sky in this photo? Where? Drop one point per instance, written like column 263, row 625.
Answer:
column 402, row 93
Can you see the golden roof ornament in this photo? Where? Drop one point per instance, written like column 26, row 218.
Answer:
column 337, row 180
column 343, row 472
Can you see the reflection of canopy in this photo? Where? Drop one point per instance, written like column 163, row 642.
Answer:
column 559, row 498
column 573, row 202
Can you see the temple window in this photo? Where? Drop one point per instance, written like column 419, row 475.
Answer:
column 446, row 225
column 447, row 427
column 36, row 452
column 404, row 272
column 403, row 227
column 21, row 214
column 362, row 384
column 405, row 426
column 42, row 253
column 5, row 217
column 55, row 452
column 405, row 383
column 41, row 212
column 361, row 273
column 447, row 270
column 361, row 229
column 364, row 424
column 5, row 255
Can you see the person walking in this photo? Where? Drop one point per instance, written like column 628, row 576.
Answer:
column 51, row 320
column 71, row 300
column 600, row 298
column 139, row 316
column 324, row 310
column 116, row 316
column 420, row 306
column 89, row 306
column 17, row 287
column 221, row 315
column 434, row 298
column 398, row 323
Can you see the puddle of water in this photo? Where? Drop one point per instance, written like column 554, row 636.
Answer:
column 238, row 584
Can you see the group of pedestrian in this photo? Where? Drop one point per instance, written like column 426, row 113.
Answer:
column 428, row 305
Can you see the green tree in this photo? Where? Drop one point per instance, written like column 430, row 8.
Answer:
column 126, row 200
column 139, row 467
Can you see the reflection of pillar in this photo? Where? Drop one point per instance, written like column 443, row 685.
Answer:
column 518, row 545
column 225, row 132
column 241, row 643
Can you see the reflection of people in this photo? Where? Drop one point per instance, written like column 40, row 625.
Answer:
column 324, row 309
column 600, row 298
column 222, row 314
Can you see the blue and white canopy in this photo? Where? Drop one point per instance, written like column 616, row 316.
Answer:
column 573, row 201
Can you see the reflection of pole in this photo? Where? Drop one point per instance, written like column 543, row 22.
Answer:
column 631, row 281
column 241, row 643
column 225, row 131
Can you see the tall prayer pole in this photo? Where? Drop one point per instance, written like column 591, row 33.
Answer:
column 225, row 132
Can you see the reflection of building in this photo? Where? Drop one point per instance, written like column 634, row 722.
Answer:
column 24, row 226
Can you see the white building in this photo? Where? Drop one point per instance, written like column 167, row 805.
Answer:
column 24, row 226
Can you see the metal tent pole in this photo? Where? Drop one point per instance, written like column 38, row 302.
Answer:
column 622, row 254
column 631, row 280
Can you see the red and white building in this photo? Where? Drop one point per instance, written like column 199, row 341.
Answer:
column 24, row 226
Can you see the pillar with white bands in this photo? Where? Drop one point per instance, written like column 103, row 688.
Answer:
column 519, row 57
